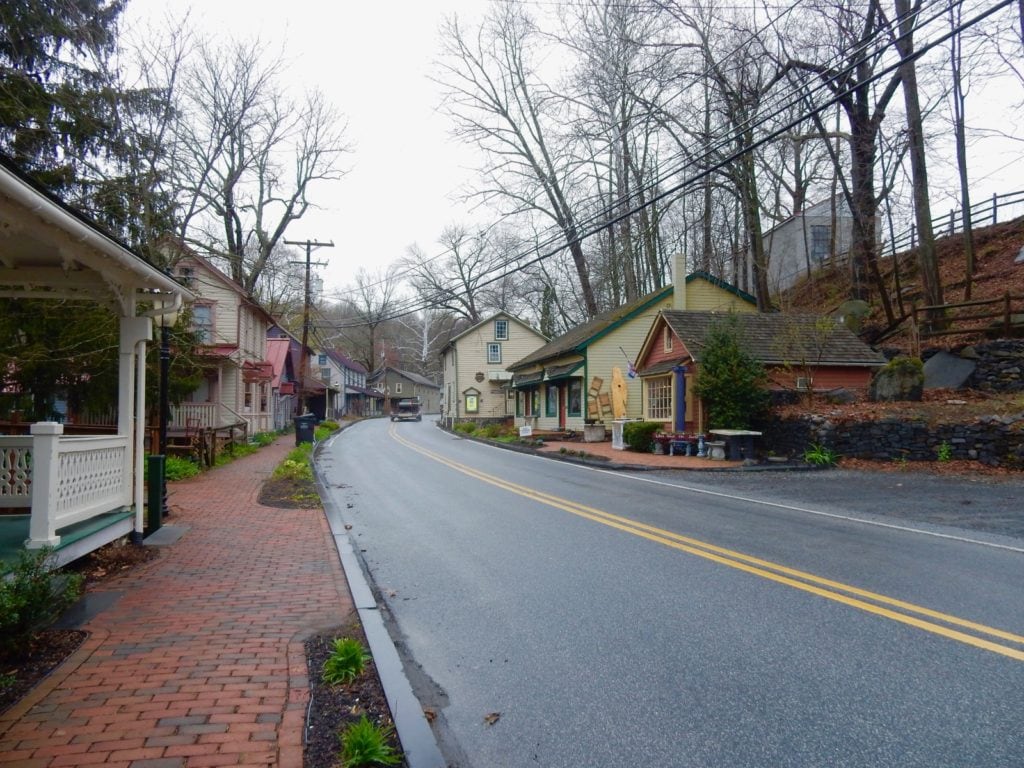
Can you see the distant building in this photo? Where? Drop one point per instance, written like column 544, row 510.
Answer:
column 803, row 242
column 396, row 384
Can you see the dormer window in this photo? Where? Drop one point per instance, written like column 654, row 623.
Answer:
column 187, row 276
column 501, row 330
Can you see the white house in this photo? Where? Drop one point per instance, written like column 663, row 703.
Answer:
column 83, row 491
column 804, row 241
column 476, row 383
column 232, row 330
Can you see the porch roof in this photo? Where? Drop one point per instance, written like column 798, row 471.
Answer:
column 562, row 371
column 52, row 251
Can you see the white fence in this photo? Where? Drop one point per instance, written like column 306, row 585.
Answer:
column 63, row 480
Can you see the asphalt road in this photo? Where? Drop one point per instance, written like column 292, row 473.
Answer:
column 677, row 619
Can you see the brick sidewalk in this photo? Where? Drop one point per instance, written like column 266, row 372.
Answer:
column 200, row 662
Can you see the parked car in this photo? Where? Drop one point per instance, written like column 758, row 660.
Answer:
column 407, row 410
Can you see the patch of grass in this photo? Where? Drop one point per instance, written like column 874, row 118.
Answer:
column 347, row 661
column 263, row 439
column 364, row 743
column 297, row 465
column 820, row 456
column 178, row 468
column 465, row 427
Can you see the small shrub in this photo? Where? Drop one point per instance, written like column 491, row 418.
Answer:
column 364, row 743
column 639, row 435
column 491, row 431
column 945, row 451
column 466, row 427
column 32, row 596
column 296, row 465
column 263, row 439
column 347, row 661
column 324, row 430
column 820, row 456
column 178, row 468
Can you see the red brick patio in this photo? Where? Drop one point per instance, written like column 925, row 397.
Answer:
column 200, row 662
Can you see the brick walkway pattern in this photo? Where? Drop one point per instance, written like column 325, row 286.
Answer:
column 200, row 662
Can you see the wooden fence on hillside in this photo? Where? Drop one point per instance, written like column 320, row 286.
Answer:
column 1003, row 309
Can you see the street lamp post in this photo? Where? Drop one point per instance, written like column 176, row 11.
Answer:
column 165, row 405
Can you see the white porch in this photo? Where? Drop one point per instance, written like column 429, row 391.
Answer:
column 77, row 492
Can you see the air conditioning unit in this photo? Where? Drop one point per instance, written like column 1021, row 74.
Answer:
column 803, row 383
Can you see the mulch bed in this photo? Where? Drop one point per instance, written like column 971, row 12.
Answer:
column 47, row 652
column 332, row 708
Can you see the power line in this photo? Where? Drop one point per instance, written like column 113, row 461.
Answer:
column 800, row 96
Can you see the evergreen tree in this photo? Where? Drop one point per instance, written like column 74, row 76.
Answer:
column 56, row 109
column 730, row 381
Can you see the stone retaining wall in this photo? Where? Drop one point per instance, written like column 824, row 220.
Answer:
column 1000, row 366
column 996, row 441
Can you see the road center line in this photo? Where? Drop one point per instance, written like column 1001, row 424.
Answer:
column 871, row 602
column 804, row 510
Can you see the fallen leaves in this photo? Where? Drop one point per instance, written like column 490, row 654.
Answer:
column 492, row 718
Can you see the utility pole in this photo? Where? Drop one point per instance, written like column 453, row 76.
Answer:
column 304, row 353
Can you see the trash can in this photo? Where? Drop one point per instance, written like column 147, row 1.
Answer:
column 305, row 425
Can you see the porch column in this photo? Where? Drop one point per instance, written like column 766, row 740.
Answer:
column 135, row 331
column 42, row 527
column 679, row 417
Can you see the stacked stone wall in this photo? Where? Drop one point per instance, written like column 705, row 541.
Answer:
column 994, row 440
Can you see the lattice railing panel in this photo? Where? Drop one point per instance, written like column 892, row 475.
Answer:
column 16, row 472
column 90, row 479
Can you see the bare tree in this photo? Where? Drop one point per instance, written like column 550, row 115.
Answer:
column 848, row 30
column 372, row 305
column 500, row 105
column 250, row 156
column 452, row 280
column 927, row 260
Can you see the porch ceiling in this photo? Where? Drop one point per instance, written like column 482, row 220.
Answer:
column 47, row 250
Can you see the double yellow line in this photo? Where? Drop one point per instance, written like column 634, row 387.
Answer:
column 935, row 622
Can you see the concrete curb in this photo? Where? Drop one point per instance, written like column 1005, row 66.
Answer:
column 414, row 732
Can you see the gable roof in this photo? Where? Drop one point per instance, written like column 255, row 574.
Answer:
column 719, row 283
column 413, row 377
column 345, row 361
column 774, row 338
column 577, row 339
column 489, row 319
column 56, row 251
column 227, row 281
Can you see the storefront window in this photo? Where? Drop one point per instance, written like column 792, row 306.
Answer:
column 575, row 405
column 659, row 398
column 551, row 401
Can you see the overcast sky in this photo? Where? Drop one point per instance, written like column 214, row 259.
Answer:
column 373, row 61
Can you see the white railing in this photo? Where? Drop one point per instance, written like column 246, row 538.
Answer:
column 188, row 415
column 63, row 480
column 16, row 471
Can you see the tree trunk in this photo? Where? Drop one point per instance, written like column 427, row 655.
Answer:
column 959, row 130
column 926, row 258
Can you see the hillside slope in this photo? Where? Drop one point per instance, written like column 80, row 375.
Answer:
column 996, row 273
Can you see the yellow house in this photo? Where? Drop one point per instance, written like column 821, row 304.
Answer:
column 584, row 376
column 475, row 384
